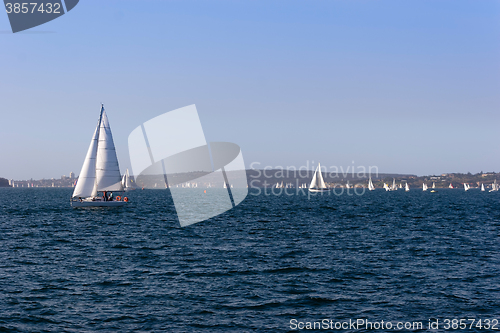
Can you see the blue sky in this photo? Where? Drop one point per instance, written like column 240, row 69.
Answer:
column 407, row 86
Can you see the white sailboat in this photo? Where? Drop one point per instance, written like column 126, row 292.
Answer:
column 317, row 183
column 451, row 186
column 127, row 182
column 482, row 187
column 407, row 187
column 494, row 186
column 370, row 185
column 424, row 187
column 386, row 187
column 394, row 186
column 100, row 171
column 433, row 185
column 466, row 186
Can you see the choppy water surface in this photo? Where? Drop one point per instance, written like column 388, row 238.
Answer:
column 391, row 256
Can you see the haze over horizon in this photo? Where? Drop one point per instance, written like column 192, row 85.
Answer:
column 410, row 87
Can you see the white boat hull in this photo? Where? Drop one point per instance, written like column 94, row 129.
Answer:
column 84, row 203
column 319, row 190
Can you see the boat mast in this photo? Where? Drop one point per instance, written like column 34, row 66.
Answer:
column 94, row 191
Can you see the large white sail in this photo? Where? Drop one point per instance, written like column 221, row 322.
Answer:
column 482, row 187
column 107, row 170
column 424, row 187
column 407, row 187
column 87, row 179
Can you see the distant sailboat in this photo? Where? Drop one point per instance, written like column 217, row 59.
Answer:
column 317, row 183
column 494, row 186
column 394, row 187
column 466, row 186
column 433, row 185
column 127, row 182
column 451, row 186
column 100, row 170
column 482, row 187
column 407, row 187
column 370, row 185
column 424, row 187
column 386, row 187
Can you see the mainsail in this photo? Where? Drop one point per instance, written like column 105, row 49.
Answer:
column 108, row 176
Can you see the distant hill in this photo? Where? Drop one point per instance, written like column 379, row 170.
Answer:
column 4, row 182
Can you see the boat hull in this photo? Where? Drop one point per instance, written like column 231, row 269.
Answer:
column 314, row 190
column 79, row 204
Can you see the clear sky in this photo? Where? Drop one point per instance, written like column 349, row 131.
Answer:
column 408, row 86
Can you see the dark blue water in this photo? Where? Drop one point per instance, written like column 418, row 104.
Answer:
column 391, row 256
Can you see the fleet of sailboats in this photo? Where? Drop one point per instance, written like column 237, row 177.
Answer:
column 100, row 171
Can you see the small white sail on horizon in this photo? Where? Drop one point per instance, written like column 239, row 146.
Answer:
column 433, row 185
column 482, row 187
column 407, row 187
column 494, row 186
column 317, row 183
column 370, row 185
column 466, row 186
column 127, row 182
column 424, row 187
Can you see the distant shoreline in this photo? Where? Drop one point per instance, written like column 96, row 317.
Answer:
column 269, row 177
